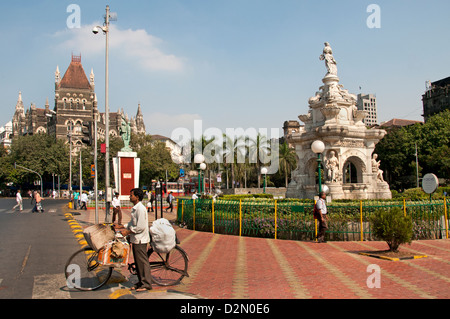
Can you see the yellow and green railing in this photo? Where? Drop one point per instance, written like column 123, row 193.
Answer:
column 294, row 219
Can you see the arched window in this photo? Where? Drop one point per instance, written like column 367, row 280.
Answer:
column 78, row 127
column 350, row 173
column 69, row 125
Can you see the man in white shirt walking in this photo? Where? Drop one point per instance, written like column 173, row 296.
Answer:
column 83, row 200
column 170, row 198
column 138, row 230
column 322, row 210
column 19, row 201
column 116, row 209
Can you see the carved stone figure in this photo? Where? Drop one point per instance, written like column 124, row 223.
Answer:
column 332, row 165
column 376, row 168
column 125, row 133
column 330, row 62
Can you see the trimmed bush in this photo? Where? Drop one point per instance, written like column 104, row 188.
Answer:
column 393, row 227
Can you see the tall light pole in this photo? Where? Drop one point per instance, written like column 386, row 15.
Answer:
column 81, row 174
column 318, row 147
column 203, row 168
column 417, row 167
column 108, row 17
column 69, row 135
column 199, row 159
column 96, row 172
column 264, row 172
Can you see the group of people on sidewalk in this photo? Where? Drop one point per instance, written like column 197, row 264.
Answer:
column 35, row 198
column 152, row 201
column 79, row 200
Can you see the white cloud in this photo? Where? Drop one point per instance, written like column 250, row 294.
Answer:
column 135, row 45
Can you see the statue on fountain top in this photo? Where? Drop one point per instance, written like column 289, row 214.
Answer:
column 330, row 62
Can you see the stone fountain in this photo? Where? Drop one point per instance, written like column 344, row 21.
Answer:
column 351, row 170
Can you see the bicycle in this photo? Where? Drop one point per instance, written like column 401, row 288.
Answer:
column 84, row 271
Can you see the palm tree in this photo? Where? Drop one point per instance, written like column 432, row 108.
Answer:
column 231, row 151
column 288, row 160
column 258, row 149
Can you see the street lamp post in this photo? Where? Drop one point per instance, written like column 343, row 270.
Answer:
column 157, row 189
column 199, row 159
column 203, row 168
column 161, row 196
column 108, row 17
column 264, row 172
column 30, row 170
column 318, row 147
column 69, row 135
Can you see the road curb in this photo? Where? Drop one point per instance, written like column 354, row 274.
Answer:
column 393, row 258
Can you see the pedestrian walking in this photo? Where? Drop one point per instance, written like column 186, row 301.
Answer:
column 76, row 195
column 38, row 203
column 152, row 199
column 170, row 201
column 83, row 201
column 116, row 209
column 30, row 193
column 321, row 209
column 19, row 201
column 138, row 231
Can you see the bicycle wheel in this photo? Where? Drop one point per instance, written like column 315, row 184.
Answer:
column 168, row 269
column 84, row 272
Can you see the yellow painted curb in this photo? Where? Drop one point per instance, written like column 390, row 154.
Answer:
column 119, row 293
column 393, row 258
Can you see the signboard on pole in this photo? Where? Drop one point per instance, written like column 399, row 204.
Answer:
column 430, row 183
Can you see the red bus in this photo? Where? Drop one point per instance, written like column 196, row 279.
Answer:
column 183, row 188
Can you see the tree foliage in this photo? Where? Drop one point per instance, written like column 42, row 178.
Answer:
column 393, row 227
column 397, row 151
column 155, row 161
column 40, row 153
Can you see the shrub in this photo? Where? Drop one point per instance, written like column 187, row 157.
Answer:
column 246, row 196
column 395, row 194
column 393, row 227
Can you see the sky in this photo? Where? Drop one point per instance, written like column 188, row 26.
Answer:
column 229, row 64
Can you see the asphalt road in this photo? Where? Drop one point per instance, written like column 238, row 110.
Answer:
column 34, row 248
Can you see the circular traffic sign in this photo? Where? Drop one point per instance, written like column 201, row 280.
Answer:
column 430, row 182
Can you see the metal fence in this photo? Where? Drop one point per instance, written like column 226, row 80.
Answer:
column 295, row 221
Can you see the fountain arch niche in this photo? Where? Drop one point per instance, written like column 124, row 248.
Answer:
column 334, row 119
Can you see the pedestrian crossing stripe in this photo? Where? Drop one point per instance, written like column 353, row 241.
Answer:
column 49, row 287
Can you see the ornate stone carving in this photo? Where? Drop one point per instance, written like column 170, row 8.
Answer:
column 332, row 166
column 376, row 168
column 330, row 62
column 334, row 118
